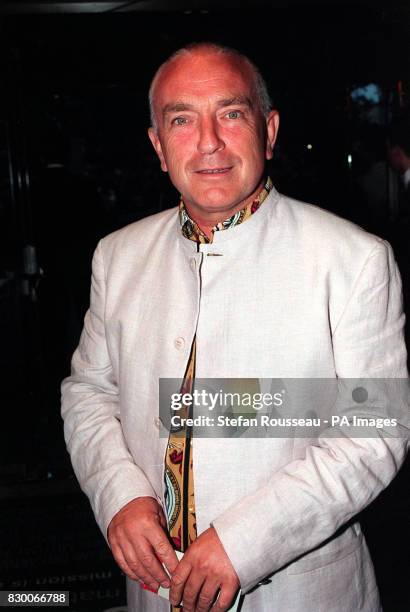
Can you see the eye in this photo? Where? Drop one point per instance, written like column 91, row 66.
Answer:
column 179, row 121
column 234, row 114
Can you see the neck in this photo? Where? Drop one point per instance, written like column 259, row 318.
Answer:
column 207, row 220
column 207, row 229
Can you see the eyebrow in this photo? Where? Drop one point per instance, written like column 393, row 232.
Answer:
column 178, row 107
column 240, row 100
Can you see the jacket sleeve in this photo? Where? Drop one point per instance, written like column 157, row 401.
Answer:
column 305, row 502
column 92, row 421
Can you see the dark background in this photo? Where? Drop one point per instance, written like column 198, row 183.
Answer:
column 75, row 164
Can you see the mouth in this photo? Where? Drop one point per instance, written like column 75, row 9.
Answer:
column 213, row 171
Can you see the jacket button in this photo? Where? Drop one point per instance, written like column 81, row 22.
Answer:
column 193, row 263
column 157, row 422
column 179, row 343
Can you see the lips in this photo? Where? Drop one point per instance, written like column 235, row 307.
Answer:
column 211, row 171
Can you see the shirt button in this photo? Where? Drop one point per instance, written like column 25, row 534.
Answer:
column 193, row 263
column 179, row 343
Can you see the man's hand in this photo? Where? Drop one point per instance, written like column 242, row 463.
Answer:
column 204, row 569
column 139, row 543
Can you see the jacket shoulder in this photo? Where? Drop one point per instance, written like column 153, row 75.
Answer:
column 320, row 230
column 141, row 235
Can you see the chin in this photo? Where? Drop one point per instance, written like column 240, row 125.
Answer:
column 217, row 198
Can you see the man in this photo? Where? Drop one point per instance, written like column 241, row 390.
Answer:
column 243, row 283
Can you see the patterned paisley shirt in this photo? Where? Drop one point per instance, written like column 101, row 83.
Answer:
column 179, row 481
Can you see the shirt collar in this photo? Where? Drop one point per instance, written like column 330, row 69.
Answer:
column 191, row 230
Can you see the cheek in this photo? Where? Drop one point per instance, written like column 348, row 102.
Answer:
column 251, row 153
column 246, row 141
column 178, row 151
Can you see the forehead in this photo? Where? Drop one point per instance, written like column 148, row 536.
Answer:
column 203, row 76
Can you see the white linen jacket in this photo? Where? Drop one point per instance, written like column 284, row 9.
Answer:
column 294, row 292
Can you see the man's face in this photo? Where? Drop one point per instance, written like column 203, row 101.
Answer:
column 211, row 135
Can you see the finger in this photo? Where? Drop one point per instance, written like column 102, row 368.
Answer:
column 138, row 552
column 206, row 596
column 164, row 551
column 178, row 580
column 191, row 591
column 119, row 558
column 136, row 562
column 226, row 595
column 150, row 562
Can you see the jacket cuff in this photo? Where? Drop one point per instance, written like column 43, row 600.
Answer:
column 252, row 558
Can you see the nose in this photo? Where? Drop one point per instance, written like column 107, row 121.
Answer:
column 210, row 139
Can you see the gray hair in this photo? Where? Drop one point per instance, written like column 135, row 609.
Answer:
column 261, row 89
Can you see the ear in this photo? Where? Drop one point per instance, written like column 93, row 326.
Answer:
column 272, row 127
column 156, row 143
